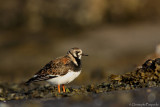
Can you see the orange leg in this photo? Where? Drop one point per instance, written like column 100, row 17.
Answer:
column 63, row 88
column 59, row 91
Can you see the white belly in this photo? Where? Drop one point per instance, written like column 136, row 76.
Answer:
column 65, row 79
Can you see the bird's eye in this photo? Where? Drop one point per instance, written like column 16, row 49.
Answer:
column 77, row 52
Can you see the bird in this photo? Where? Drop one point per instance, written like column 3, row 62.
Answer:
column 61, row 70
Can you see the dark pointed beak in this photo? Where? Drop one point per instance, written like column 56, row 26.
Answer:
column 84, row 55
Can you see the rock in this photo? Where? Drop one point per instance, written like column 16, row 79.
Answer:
column 2, row 99
column 67, row 90
column 115, row 77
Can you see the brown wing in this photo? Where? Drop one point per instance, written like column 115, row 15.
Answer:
column 53, row 69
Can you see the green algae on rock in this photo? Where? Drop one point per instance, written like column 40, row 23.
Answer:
column 146, row 76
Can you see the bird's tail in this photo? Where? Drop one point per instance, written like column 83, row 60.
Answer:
column 33, row 79
column 28, row 82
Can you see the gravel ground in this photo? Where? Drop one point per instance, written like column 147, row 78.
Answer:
column 133, row 98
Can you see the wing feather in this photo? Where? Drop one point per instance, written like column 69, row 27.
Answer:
column 53, row 69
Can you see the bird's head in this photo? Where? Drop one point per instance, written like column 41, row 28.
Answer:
column 76, row 53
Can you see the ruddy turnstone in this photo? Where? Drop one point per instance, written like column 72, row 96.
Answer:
column 62, row 70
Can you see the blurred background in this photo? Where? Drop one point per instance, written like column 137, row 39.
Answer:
column 117, row 35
